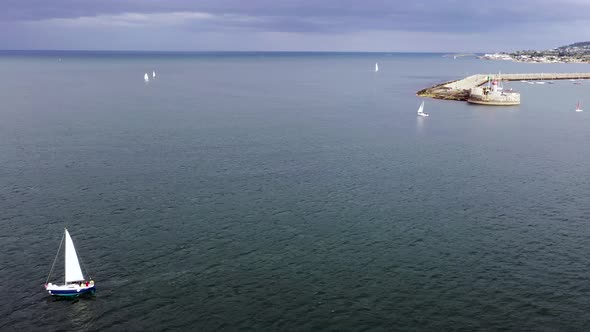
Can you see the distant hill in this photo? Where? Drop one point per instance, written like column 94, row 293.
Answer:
column 579, row 45
column 580, row 52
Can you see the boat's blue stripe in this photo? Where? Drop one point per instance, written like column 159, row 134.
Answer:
column 72, row 292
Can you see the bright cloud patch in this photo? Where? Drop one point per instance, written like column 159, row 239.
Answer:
column 132, row 19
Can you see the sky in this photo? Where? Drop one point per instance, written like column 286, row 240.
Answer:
column 293, row 25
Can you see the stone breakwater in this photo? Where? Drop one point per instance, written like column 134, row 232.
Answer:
column 461, row 89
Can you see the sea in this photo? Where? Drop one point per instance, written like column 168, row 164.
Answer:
column 259, row 191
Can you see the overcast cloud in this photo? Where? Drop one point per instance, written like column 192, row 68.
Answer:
column 320, row 25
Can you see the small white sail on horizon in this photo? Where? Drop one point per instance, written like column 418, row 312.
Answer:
column 376, row 67
column 579, row 107
column 153, row 74
column 421, row 110
column 146, row 77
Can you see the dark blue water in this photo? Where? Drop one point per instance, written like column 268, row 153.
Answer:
column 261, row 191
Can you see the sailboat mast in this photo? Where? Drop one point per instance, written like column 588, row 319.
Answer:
column 55, row 259
column 65, row 253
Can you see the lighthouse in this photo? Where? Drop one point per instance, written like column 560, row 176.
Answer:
column 494, row 85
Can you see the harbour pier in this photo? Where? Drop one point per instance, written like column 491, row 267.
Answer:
column 469, row 88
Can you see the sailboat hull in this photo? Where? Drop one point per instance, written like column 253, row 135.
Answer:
column 69, row 290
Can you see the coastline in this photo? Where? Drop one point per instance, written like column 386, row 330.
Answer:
column 533, row 58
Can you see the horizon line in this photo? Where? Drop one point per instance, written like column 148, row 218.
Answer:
column 230, row 51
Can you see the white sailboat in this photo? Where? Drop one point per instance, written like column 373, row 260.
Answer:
column 579, row 107
column 376, row 67
column 153, row 74
column 421, row 110
column 146, row 77
column 74, row 281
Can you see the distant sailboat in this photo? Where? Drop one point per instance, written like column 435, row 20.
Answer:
column 74, row 281
column 579, row 107
column 421, row 110
column 153, row 74
column 376, row 67
column 146, row 77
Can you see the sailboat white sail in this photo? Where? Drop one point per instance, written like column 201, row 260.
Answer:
column 146, row 77
column 376, row 67
column 579, row 107
column 75, row 283
column 72, row 265
column 421, row 110
column 153, row 74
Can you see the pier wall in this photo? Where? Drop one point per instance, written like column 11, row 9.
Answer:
column 460, row 89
